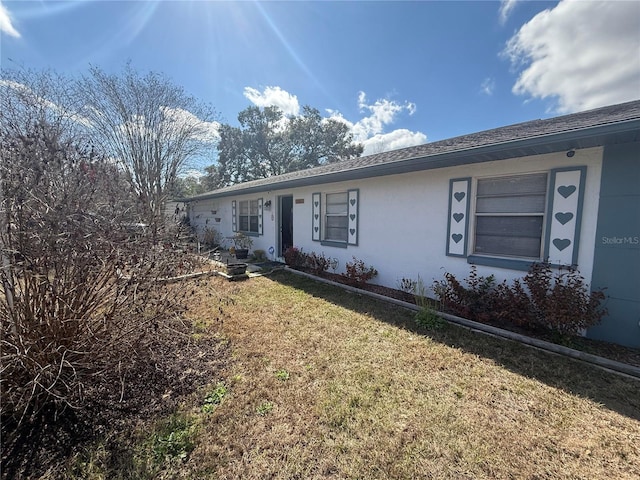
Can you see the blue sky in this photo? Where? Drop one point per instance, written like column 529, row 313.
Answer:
column 398, row 73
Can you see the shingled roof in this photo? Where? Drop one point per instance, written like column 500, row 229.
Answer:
column 607, row 125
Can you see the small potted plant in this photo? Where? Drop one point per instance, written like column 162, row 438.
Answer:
column 241, row 244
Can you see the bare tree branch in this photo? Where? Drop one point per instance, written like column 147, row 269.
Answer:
column 150, row 126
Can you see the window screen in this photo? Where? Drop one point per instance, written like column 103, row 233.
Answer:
column 248, row 216
column 336, row 220
column 510, row 215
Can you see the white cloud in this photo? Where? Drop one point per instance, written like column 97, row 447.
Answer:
column 580, row 54
column 383, row 112
column 192, row 173
column 202, row 131
column 506, row 7
column 19, row 87
column 175, row 122
column 274, row 96
column 370, row 130
column 488, row 86
column 400, row 138
column 31, row 97
column 5, row 23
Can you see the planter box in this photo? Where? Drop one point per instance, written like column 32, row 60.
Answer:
column 234, row 269
column 242, row 253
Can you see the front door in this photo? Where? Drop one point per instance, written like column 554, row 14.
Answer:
column 285, row 207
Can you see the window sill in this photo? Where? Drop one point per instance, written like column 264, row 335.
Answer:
column 249, row 234
column 508, row 263
column 333, row 243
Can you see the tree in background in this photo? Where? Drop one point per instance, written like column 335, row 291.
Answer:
column 150, row 126
column 30, row 98
column 187, row 186
column 316, row 141
column 268, row 143
column 195, row 184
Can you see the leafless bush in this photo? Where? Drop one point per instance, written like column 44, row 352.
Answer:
column 211, row 237
column 80, row 298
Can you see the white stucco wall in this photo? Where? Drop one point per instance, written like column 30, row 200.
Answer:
column 201, row 216
column 403, row 218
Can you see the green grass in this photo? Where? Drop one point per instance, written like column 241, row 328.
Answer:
column 214, row 398
column 173, row 440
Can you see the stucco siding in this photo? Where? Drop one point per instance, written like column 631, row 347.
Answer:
column 403, row 218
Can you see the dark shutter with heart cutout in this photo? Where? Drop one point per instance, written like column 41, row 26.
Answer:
column 260, row 217
column 234, row 217
column 566, row 190
column 316, row 219
column 458, row 223
column 353, row 208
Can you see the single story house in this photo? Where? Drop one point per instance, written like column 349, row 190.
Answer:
column 566, row 189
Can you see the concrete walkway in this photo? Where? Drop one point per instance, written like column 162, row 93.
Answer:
column 224, row 258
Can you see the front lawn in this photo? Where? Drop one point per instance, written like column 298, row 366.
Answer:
column 322, row 383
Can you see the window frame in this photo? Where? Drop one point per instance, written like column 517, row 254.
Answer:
column 248, row 223
column 320, row 212
column 342, row 214
column 539, row 214
column 561, row 227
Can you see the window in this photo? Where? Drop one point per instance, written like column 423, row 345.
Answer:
column 336, row 217
column 248, row 220
column 518, row 219
column 510, row 214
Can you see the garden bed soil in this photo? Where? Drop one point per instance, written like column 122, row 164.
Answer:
column 179, row 364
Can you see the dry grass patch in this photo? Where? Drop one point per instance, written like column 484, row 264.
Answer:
column 366, row 395
column 325, row 384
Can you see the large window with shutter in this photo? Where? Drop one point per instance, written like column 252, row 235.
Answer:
column 517, row 219
column 510, row 215
column 335, row 218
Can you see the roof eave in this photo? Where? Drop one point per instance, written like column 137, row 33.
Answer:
column 619, row 132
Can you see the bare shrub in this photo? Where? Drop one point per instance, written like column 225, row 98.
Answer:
column 295, row 257
column 79, row 296
column 563, row 302
column 149, row 125
column 318, row 263
column 211, row 237
column 512, row 304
